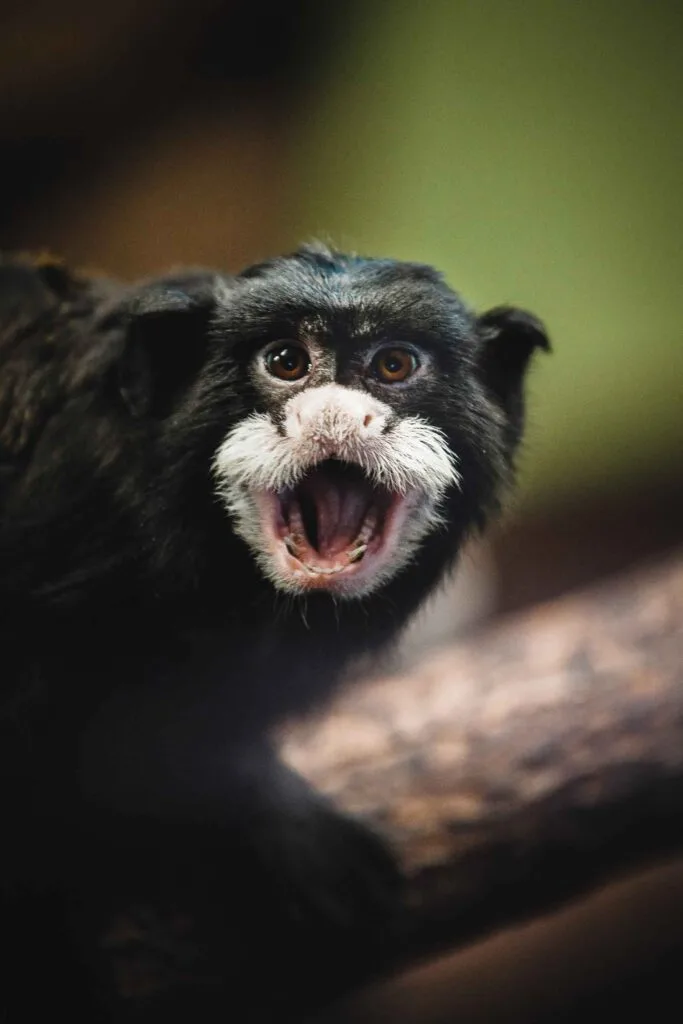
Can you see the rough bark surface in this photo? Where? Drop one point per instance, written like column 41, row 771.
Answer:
column 522, row 767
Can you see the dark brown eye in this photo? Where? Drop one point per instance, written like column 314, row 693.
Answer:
column 288, row 362
column 393, row 365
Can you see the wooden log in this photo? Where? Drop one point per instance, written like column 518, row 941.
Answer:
column 520, row 768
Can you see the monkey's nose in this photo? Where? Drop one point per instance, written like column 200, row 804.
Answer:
column 335, row 413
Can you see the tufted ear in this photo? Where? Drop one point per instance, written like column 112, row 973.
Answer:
column 508, row 338
column 164, row 326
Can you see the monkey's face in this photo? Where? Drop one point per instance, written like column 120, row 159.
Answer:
column 335, row 483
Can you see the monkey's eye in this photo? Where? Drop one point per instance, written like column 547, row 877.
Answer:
column 288, row 362
column 393, row 365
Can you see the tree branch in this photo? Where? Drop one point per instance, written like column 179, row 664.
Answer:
column 521, row 768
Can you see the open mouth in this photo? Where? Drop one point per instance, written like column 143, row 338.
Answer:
column 334, row 524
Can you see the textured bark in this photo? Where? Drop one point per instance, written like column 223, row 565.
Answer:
column 522, row 767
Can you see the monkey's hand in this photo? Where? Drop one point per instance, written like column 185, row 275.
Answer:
column 329, row 875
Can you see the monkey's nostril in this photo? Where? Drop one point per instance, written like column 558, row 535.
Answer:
column 368, row 420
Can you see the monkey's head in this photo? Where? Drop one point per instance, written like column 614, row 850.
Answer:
column 382, row 415
column 339, row 418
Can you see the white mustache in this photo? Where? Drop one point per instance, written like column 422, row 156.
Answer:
column 400, row 454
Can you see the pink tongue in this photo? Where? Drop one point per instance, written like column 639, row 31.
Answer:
column 340, row 513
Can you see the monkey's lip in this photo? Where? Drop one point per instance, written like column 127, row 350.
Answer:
column 335, row 524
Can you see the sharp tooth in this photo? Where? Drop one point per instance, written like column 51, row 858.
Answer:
column 290, row 545
column 357, row 553
column 368, row 528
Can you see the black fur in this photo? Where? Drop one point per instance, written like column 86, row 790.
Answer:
column 144, row 657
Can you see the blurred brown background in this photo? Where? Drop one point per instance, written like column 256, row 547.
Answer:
column 534, row 151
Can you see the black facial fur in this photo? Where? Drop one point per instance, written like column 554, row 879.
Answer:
column 145, row 655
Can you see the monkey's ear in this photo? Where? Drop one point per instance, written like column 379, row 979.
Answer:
column 508, row 339
column 164, row 343
column 33, row 286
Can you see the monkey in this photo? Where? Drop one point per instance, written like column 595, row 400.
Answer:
column 217, row 491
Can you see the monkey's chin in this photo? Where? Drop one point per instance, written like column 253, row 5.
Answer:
column 335, row 531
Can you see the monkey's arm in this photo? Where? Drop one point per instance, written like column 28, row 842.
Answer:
column 176, row 919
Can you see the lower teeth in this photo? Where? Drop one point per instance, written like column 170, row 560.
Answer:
column 352, row 556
